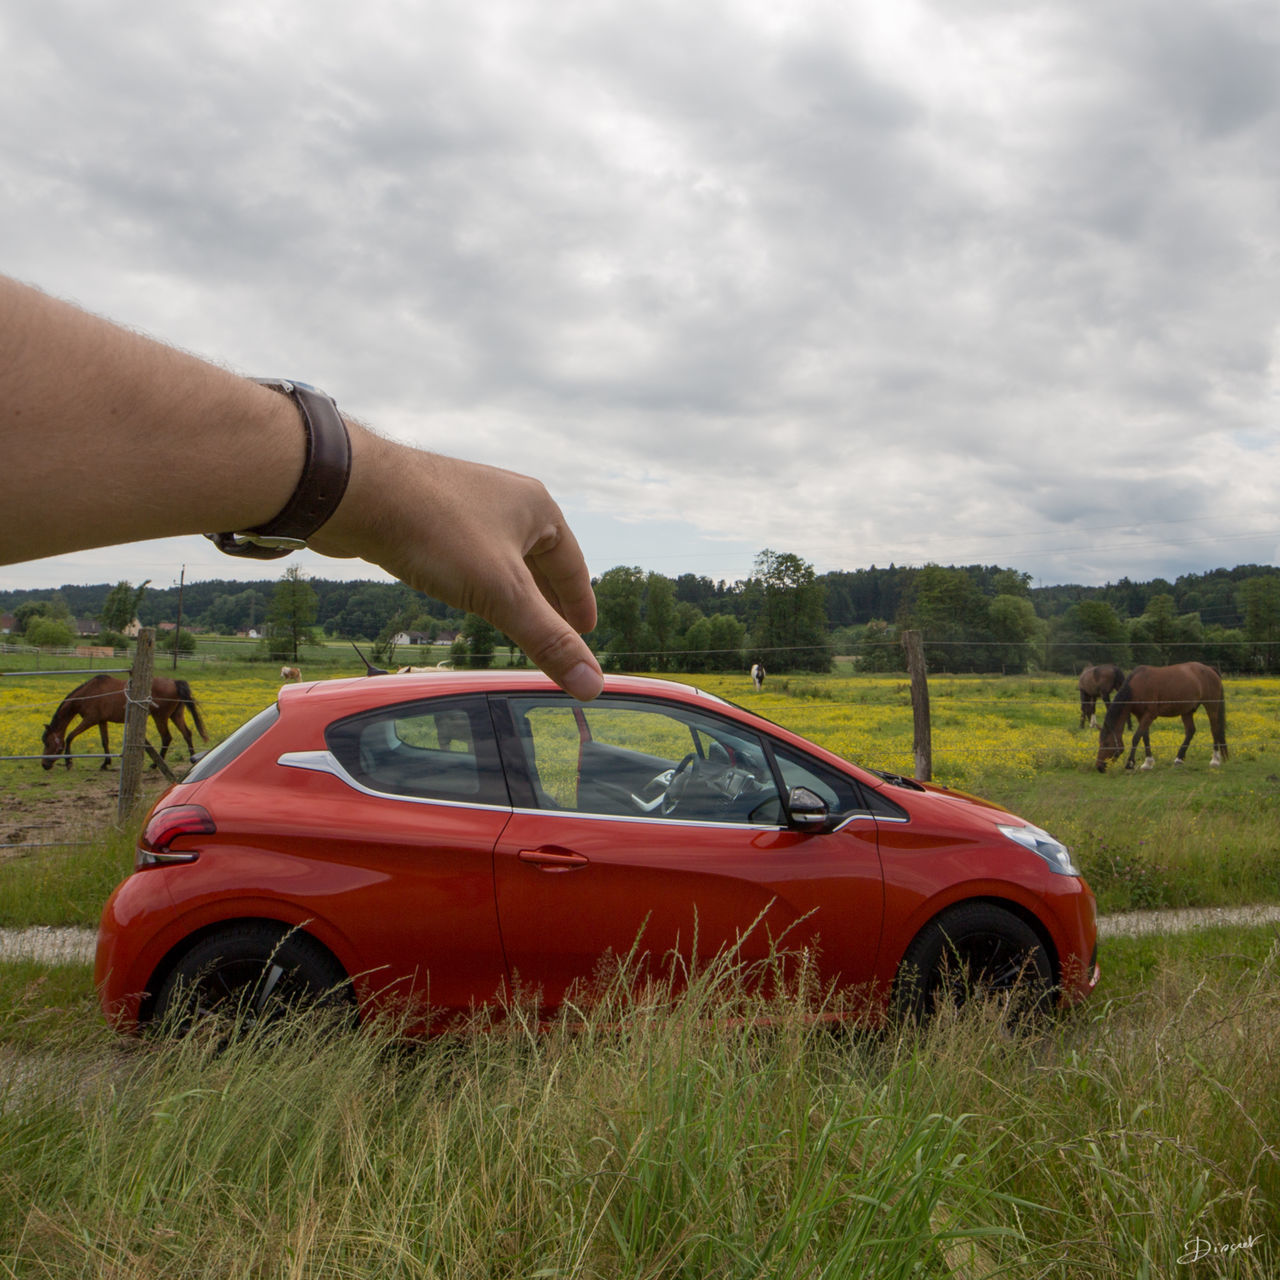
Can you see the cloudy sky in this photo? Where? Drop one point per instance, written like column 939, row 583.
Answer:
column 937, row 280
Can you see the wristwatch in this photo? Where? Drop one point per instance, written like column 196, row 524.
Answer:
column 325, row 472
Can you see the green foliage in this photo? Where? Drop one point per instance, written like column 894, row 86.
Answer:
column 49, row 633
column 289, row 619
column 786, row 609
column 476, row 645
column 182, row 641
column 122, row 604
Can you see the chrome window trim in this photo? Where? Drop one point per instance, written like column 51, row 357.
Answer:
column 326, row 762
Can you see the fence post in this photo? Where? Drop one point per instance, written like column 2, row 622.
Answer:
column 923, row 742
column 137, row 709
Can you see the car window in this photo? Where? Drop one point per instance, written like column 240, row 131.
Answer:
column 227, row 750
column 442, row 749
column 841, row 795
column 632, row 759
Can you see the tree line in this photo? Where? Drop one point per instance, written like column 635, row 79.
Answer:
column 975, row 618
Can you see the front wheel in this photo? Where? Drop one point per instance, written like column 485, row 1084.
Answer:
column 975, row 951
column 251, row 975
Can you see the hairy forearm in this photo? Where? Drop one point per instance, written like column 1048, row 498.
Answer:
column 126, row 433
column 110, row 437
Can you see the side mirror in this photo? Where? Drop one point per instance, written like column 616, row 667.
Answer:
column 806, row 809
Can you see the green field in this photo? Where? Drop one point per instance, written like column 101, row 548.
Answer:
column 1138, row 1136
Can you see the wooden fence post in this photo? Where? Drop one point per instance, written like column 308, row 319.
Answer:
column 137, row 709
column 923, row 742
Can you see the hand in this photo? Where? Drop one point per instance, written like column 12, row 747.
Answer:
column 489, row 541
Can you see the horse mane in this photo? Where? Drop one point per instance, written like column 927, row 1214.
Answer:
column 64, row 713
column 1118, row 711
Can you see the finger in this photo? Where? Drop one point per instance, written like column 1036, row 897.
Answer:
column 552, row 645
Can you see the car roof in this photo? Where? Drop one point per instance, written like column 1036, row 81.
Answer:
column 370, row 691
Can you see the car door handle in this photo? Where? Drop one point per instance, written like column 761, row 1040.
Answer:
column 553, row 859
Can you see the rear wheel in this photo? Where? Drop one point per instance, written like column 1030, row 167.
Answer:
column 251, row 975
column 975, row 951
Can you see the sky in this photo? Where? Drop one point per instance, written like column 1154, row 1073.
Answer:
column 950, row 281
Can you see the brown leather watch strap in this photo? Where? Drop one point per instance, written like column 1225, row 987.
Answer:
column 325, row 472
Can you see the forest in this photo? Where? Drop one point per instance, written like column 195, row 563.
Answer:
column 973, row 618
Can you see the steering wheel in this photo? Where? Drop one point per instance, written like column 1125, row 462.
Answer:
column 684, row 771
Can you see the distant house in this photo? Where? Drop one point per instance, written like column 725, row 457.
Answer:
column 410, row 637
column 87, row 626
column 7, row 621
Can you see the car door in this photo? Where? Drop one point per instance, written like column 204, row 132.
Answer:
column 594, row 866
column 423, row 803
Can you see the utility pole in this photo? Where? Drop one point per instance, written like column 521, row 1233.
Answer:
column 177, row 634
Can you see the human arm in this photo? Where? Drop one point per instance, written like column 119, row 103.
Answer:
column 111, row 437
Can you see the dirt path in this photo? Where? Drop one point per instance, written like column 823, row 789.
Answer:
column 50, row 945
column 61, row 806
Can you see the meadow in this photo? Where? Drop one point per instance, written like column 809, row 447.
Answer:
column 1138, row 1136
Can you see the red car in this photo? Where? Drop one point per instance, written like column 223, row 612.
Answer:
column 443, row 841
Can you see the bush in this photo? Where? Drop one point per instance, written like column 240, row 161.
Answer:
column 48, row 633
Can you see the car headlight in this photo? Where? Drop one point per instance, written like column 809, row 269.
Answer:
column 1041, row 843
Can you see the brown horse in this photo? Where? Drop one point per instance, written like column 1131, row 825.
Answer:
column 1094, row 683
column 101, row 701
column 1164, row 691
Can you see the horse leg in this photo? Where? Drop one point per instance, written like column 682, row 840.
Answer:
column 1142, row 735
column 1189, row 725
column 1218, row 725
column 75, row 733
column 162, row 726
column 1087, row 709
column 106, row 745
column 181, row 721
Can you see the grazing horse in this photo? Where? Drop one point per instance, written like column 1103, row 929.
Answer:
column 1094, row 683
column 757, row 675
column 290, row 673
column 101, row 701
column 1164, row 691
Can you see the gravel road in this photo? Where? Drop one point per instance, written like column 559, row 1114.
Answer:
column 51, row 945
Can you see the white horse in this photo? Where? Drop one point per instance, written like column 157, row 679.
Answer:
column 757, row 675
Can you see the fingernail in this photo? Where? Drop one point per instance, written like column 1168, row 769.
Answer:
column 583, row 681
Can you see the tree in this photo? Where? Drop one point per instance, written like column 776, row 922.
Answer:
column 659, row 618
column 479, row 638
column 1260, row 598
column 293, row 610
column 787, row 608
column 121, row 605
column 620, row 606
column 950, row 612
column 1016, row 630
column 49, row 633
column 1160, row 636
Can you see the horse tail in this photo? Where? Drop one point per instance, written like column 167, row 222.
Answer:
column 187, row 699
column 1217, row 709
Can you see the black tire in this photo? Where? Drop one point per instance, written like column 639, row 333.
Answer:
column 250, row 975
column 975, row 951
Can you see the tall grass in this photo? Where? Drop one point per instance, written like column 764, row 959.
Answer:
column 648, row 1140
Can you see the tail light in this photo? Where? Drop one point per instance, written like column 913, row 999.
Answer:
column 167, row 827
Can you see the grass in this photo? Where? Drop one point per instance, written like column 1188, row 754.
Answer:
column 653, row 1142
column 658, row 1144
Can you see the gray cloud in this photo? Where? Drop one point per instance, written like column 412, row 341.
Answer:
column 962, row 281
